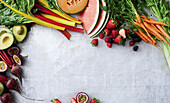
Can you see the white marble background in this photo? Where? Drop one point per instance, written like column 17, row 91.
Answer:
column 58, row 68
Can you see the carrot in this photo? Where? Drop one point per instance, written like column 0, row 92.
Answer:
column 155, row 33
column 66, row 34
column 138, row 18
column 144, row 28
column 146, row 37
column 141, row 36
column 155, row 22
column 143, row 17
column 163, row 32
column 155, row 28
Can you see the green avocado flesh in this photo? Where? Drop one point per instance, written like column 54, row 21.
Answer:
column 4, row 30
column 6, row 40
column 1, row 88
column 20, row 32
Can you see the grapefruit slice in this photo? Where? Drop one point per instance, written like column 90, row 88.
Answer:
column 100, row 21
column 89, row 17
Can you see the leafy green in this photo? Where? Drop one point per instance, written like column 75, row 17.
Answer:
column 160, row 8
column 9, row 17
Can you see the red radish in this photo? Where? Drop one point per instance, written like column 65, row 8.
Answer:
column 17, row 71
column 13, row 51
column 122, row 33
column 106, row 39
column 73, row 100
column 3, row 66
column 82, row 97
column 59, row 24
column 106, row 32
column 6, row 98
column 109, row 45
column 101, row 36
column 115, row 33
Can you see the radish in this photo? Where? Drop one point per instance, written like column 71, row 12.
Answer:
column 6, row 98
column 122, row 33
column 11, row 84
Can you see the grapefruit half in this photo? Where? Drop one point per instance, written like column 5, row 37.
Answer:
column 89, row 17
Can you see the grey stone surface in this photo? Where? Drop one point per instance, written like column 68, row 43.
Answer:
column 58, row 68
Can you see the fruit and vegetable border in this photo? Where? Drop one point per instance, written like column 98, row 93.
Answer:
column 114, row 21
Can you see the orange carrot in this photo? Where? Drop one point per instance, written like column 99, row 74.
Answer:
column 146, row 37
column 155, row 22
column 138, row 18
column 143, row 17
column 155, row 33
column 163, row 31
column 141, row 36
column 155, row 28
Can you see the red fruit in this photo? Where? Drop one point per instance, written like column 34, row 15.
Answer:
column 101, row 36
column 118, row 22
column 106, row 32
column 111, row 36
column 106, row 40
column 109, row 45
column 115, row 33
column 94, row 100
column 119, row 40
column 94, row 42
column 111, row 24
column 131, row 43
column 55, row 101
column 122, row 33
column 73, row 100
column 127, row 32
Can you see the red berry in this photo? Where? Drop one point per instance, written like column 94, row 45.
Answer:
column 106, row 40
column 109, row 45
column 111, row 24
column 106, row 32
column 131, row 43
column 94, row 42
column 115, row 33
column 101, row 36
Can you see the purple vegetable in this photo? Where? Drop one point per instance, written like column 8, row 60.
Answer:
column 17, row 71
column 6, row 98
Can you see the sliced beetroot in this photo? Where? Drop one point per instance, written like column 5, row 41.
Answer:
column 3, row 66
column 17, row 59
column 6, row 98
column 13, row 51
column 82, row 97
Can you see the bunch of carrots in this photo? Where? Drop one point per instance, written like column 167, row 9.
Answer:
column 151, row 27
column 51, row 18
column 147, row 28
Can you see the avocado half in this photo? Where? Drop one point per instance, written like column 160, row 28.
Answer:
column 4, row 30
column 20, row 32
column 6, row 40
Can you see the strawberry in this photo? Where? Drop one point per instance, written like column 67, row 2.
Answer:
column 106, row 40
column 55, row 101
column 122, row 33
column 106, row 32
column 73, row 100
column 101, row 36
column 94, row 100
column 128, row 34
column 119, row 40
column 115, row 33
column 111, row 24
column 131, row 43
column 109, row 45
column 118, row 22
column 94, row 42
